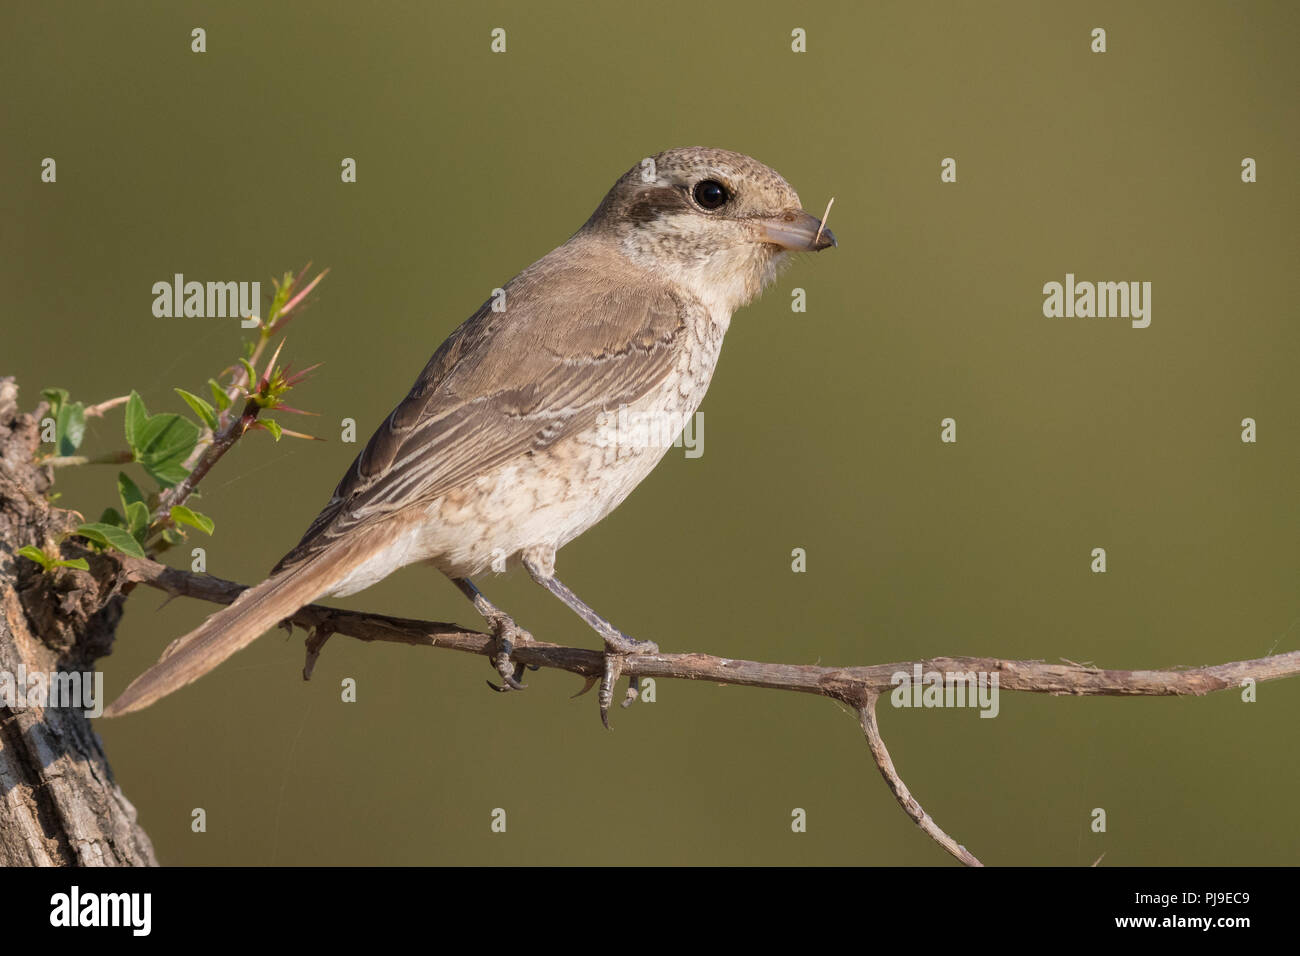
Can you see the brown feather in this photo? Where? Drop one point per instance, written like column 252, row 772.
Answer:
column 232, row 628
column 583, row 332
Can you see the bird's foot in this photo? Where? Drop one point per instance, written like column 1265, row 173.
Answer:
column 618, row 648
column 506, row 634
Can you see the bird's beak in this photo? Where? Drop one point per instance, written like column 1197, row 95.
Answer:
column 797, row 231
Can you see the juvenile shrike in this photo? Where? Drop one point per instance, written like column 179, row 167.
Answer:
column 502, row 450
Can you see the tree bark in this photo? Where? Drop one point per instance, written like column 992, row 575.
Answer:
column 59, row 803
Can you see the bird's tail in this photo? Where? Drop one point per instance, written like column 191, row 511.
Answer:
column 254, row 612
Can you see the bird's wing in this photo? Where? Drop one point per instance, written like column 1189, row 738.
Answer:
column 575, row 339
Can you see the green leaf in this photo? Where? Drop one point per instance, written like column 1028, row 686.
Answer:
column 135, row 419
column 69, row 420
column 219, row 394
column 110, row 516
column 70, row 426
column 159, row 442
column 112, row 537
column 172, row 536
column 46, row 562
column 137, row 519
column 163, row 444
column 182, row 515
column 207, row 414
column 128, row 491
column 252, row 374
column 33, row 553
column 168, row 474
column 56, row 397
column 271, row 425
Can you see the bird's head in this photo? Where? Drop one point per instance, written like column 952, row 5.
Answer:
column 718, row 223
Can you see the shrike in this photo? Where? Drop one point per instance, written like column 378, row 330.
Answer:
column 502, row 451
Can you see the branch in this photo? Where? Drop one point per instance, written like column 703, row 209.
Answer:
column 222, row 442
column 230, row 428
column 880, row 753
column 858, row 687
column 109, row 458
column 97, row 411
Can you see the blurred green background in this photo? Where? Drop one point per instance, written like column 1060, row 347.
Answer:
column 822, row 429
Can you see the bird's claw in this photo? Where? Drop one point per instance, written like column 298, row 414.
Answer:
column 613, row 668
column 510, row 679
column 633, row 691
column 506, row 632
column 617, row 650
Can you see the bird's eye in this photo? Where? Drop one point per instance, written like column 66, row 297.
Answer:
column 711, row 194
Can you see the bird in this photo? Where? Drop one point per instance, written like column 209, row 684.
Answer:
column 503, row 451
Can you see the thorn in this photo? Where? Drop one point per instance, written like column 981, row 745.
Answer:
column 315, row 641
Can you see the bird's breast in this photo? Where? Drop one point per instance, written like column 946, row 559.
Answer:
column 550, row 496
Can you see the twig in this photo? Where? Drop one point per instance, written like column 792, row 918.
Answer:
column 222, row 442
column 97, row 411
column 880, row 753
column 858, row 687
column 240, row 383
column 110, row 458
column 822, row 225
column 315, row 642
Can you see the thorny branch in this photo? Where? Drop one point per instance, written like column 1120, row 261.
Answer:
column 857, row 687
column 242, row 388
column 221, row 443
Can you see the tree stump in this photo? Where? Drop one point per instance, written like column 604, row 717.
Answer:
column 59, row 803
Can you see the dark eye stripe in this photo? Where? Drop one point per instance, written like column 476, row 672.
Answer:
column 650, row 204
